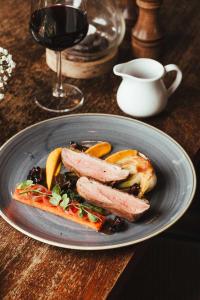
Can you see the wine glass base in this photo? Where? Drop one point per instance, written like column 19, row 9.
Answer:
column 71, row 99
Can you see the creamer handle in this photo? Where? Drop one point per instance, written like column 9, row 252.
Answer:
column 178, row 79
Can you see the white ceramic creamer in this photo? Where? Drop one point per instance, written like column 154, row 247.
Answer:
column 142, row 92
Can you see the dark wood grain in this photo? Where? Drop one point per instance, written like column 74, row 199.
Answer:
column 29, row 269
column 32, row 270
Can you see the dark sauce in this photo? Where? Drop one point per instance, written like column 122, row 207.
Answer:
column 115, row 225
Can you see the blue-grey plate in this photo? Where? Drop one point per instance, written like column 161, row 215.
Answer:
column 169, row 200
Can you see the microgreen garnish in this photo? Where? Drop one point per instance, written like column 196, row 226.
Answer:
column 37, row 191
column 65, row 201
column 56, row 189
column 56, row 197
column 81, row 212
column 55, row 200
column 24, row 184
column 95, row 208
column 92, row 217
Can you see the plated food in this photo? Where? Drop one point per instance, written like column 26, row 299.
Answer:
column 168, row 201
column 88, row 186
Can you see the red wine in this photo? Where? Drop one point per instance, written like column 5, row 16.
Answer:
column 58, row 27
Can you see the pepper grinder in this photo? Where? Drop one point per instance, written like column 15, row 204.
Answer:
column 147, row 34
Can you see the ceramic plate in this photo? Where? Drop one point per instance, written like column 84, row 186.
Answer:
column 170, row 199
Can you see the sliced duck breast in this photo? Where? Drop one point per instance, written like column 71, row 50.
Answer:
column 119, row 203
column 86, row 165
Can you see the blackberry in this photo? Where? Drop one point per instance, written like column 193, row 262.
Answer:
column 117, row 225
column 135, row 189
column 36, row 175
column 77, row 146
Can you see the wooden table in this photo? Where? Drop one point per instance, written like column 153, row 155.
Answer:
column 30, row 269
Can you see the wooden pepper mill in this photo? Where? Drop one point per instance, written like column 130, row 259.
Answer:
column 147, row 34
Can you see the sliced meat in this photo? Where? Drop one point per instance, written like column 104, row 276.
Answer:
column 89, row 166
column 115, row 201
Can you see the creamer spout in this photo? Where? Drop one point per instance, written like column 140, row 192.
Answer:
column 123, row 70
column 119, row 70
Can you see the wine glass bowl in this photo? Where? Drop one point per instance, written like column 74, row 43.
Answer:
column 58, row 25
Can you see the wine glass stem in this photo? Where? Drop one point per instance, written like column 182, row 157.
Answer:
column 58, row 90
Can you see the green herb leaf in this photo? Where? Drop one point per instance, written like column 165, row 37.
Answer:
column 54, row 202
column 56, row 196
column 81, row 213
column 55, row 199
column 92, row 217
column 65, row 201
column 24, row 184
column 95, row 208
column 65, row 198
column 56, row 189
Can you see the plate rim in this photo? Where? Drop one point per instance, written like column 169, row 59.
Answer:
column 120, row 245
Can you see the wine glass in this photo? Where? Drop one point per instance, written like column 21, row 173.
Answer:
column 58, row 25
